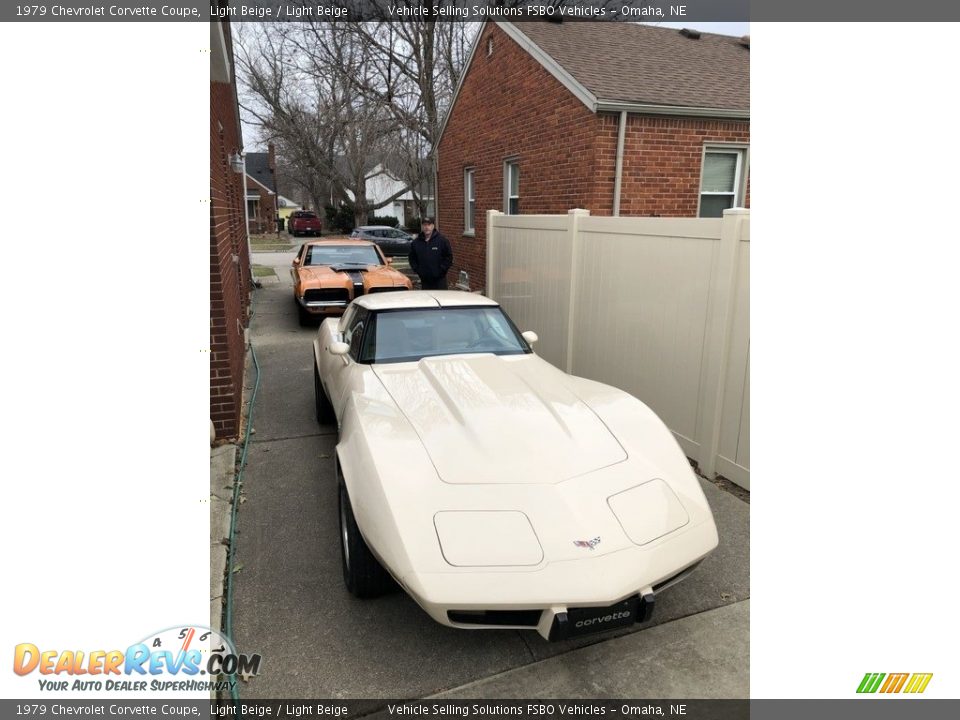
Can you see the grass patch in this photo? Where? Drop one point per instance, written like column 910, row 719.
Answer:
column 263, row 271
column 269, row 243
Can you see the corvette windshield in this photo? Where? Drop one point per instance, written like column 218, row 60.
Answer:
column 408, row 335
column 342, row 255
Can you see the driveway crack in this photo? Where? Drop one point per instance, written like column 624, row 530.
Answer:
column 263, row 441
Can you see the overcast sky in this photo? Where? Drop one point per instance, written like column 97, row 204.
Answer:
column 736, row 29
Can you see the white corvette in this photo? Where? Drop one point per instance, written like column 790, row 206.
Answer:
column 498, row 491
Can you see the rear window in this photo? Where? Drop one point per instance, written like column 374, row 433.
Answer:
column 305, row 215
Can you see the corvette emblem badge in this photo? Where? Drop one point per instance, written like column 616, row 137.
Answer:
column 587, row 543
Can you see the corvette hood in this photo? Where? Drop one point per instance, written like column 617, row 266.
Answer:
column 491, row 419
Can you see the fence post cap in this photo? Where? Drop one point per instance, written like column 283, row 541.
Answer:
column 578, row 211
column 736, row 211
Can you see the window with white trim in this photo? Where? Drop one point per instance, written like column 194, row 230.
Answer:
column 469, row 201
column 721, row 180
column 511, row 187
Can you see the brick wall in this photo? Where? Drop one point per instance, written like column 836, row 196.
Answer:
column 509, row 106
column 265, row 220
column 661, row 162
column 229, row 267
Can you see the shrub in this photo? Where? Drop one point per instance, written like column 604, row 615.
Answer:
column 340, row 218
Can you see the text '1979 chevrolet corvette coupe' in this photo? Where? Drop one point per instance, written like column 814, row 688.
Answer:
column 495, row 489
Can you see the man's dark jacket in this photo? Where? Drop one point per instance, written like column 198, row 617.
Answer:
column 431, row 260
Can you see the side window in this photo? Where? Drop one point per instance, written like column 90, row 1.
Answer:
column 353, row 335
column 347, row 318
column 511, row 187
column 722, row 180
column 369, row 340
column 469, row 200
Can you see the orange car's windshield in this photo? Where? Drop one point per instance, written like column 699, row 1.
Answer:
column 342, row 255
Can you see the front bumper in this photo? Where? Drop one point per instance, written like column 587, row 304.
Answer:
column 575, row 622
column 555, row 598
column 323, row 307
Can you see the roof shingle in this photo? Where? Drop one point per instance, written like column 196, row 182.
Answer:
column 633, row 63
column 258, row 167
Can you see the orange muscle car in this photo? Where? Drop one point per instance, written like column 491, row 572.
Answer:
column 328, row 274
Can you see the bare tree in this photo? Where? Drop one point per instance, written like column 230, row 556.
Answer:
column 328, row 136
column 410, row 70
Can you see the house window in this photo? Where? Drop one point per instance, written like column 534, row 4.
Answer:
column 721, row 180
column 469, row 201
column 253, row 215
column 511, row 187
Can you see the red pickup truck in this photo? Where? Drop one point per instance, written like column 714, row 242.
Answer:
column 303, row 222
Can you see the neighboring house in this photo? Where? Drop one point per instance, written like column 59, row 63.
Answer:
column 229, row 250
column 286, row 207
column 262, row 191
column 617, row 118
column 382, row 184
column 425, row 193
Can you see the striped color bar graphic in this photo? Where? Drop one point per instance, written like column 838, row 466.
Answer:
column 918, row 683
column 894, row 683
column 870, row 683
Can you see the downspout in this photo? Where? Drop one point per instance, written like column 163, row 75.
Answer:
column 621, row 136
column 246, row 220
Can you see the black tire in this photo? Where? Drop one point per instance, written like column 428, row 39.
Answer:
column 363, row 575
column 325, row 415
column 303, row 317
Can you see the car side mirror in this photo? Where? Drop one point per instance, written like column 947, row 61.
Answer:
column 296, row 261
column 389, row 261
column 530, row 336
column 339, row 348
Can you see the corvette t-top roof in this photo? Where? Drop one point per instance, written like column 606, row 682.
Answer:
column 412, row 299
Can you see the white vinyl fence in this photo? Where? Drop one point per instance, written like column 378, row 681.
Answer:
column 659, row 307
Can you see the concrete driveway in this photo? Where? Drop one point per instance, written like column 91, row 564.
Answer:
column 319, row 642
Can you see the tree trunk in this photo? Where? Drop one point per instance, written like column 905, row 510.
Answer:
column 360, row 207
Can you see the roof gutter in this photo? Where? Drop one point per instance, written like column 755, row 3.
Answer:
column 675, row 110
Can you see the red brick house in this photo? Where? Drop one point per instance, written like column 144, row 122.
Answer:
column 262, row 191
column 617, row 118
column 229, row 251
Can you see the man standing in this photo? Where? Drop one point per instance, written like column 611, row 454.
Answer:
column 431, row 256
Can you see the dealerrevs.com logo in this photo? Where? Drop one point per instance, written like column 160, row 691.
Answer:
column 910, row 683
column 182, row 659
